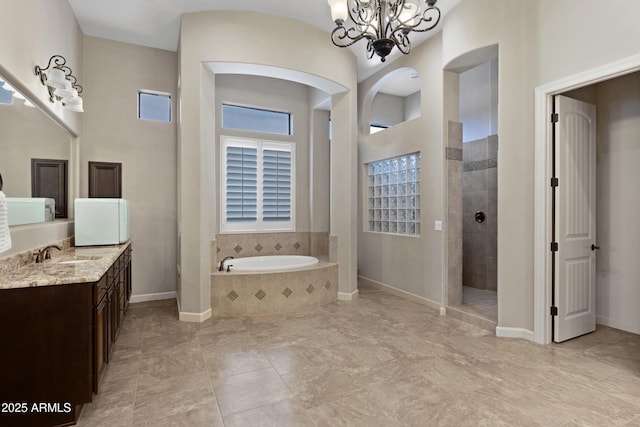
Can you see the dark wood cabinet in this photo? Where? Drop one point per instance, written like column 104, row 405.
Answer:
column 105, row 179
column 110, row 304
column 55, row 343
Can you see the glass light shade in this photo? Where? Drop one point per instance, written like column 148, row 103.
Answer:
column 56, row 78
column 408, row 14
column 339, row 11
column 73, row 100
column 64, row 92
column 75, row 107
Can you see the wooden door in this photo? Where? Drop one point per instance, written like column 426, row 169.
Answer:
column 575, row 219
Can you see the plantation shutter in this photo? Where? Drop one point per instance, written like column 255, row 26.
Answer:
column 242, row 185
column 276, row 183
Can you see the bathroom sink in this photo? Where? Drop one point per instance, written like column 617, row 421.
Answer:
column 75, row 261
column 78, row 259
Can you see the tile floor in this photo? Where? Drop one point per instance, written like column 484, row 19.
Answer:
column 480, row 302
column 379, row 360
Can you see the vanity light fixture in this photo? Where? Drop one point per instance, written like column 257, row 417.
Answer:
column 383, row 23
column 62, row 84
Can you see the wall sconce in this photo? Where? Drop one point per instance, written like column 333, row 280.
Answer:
column 62, row 84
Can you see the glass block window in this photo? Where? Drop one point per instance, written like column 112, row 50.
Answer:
column 394, row 195
column 255, row 119
column 258, row 185
column 154, row 106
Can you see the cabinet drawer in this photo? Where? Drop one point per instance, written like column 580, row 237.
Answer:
column 100, row 289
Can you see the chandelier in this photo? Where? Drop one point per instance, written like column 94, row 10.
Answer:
column 383, row 23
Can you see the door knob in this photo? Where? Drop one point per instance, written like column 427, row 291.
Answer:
column 594, row 247
column 479, row 217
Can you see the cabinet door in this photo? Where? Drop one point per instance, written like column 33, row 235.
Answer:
column 100, row 341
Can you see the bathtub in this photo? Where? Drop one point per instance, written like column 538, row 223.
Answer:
column 270, row 263
column 262, row 285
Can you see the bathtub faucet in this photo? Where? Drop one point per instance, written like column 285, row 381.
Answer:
column 221, row 268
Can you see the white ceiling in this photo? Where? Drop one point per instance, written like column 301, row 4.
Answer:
column 156, row 23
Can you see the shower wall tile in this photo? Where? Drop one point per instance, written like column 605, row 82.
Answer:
column 453, row 153
column 454, row 278
column 492, row 147
column 492, row 179
column 480, row 179
column 454, row 200
column 492, row 273
column 454, row 134
column 478, row 149
column 454, row 213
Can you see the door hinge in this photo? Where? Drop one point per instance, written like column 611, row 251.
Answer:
column 554, row 311
column 555, row 118
column 554, row 246
column 554, row 182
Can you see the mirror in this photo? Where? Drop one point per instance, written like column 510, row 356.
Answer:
column 27, row 137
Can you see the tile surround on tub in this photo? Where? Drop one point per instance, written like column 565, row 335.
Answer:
column 259, row 294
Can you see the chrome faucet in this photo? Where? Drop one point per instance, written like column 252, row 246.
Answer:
column 221, row 267
column 45, row 253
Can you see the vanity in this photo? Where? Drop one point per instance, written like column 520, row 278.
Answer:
column 59, row 320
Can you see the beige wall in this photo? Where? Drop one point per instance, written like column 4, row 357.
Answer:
column 479, row 101
column 308, row 53
column 27, row 38
column 319, row 169
column 413, row 264
column 114, row 73
column 27, row 133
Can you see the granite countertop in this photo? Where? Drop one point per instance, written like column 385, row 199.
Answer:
column 85, row 264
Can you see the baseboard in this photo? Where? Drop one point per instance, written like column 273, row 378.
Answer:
column 505, row 332
column 194, row 317
column 404, row 294
column 602, row 320
column 346, row 296
column 152, row 297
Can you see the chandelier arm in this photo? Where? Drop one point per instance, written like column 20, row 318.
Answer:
column 341, row 37
column 401, row 40
column 428, row 18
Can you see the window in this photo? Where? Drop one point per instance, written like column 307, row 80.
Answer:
column 255, row 119
column 154, row 106
column 258, row 181
column 394, row 195
column 375, row 128
column 6, row 96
